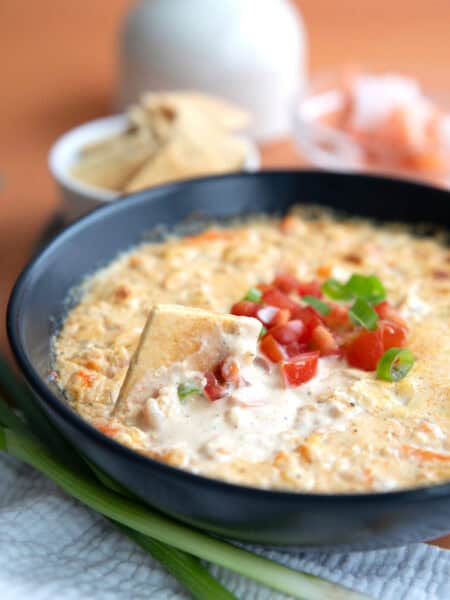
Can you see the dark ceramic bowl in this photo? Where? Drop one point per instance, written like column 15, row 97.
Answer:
column 267, row 517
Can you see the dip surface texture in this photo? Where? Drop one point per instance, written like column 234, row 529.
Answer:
column 342, row 431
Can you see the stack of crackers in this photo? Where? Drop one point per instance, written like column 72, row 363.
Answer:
column 171, row 136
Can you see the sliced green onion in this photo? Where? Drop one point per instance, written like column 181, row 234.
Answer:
column 395, row 364
column 263, row 332
column 367, row 287
column 321, row 307
column 253, row 295
column 187, row 389
column 336, row 290
column 361, row 313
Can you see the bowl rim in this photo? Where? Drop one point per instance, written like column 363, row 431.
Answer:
column 38, row 385
column 70, row 142
column 73, row 140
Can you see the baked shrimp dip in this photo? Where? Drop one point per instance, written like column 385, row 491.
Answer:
column 305, row 353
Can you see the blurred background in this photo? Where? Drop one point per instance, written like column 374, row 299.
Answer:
column 60, row 68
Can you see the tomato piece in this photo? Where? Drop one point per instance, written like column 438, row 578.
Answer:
column 275, row 297
column 272, row 349
column 310, row 318
column 295, row 348
column 387, row 312
column 394, row 335
column 213, row 390
column 299, row 369
column 324, row 341
column 245, row 308
column 365, row 350
column 281, row 318
column 337, row 318
column 286, row 282
column 310, row 288
column 272, row 316
column 288, row 333
column 230, row 372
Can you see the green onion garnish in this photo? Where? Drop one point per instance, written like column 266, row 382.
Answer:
column 363, row 314
column 368, row 287
column 335, row 290
column 253, row 295
column 187, row 389
column 263, row 332
column 321, row 307
column 395, row 364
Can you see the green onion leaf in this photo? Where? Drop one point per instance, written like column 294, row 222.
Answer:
column 395, row 364
column 367, row 287
column 263, row 332
column 361, row 313
column 253, row 295
column 321, row 307
column 187, row 389
column 336, row 290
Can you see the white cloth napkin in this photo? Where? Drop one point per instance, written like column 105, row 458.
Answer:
column 53, row 548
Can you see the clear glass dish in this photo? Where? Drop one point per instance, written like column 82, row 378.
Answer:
column 323, row 144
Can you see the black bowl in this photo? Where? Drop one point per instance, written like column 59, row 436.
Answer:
column 268, row 517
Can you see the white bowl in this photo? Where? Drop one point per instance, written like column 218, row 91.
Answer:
column 79, row 198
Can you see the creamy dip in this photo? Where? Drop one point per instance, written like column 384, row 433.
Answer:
column 342, row 431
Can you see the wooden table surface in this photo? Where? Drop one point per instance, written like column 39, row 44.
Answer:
column 59, row 66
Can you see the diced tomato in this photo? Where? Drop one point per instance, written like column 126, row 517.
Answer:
column 324, row 341
column 245, row 308
column 230, row 371
column 310, row 288
column 288, row 333
column 271, row 316
column 272, row 349
column 299, row 369
column 213, row 389
column 311, row 319
column 386, row 311
column 337, row 318
column 286, row 282
column 365, row 350
column 295, row 348
column 275, row 297
column 281, row 318
column 394, row 335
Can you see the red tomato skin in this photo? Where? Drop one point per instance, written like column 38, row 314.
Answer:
column 394, row 335
column 299, row 369
column 311, row 319
column 387, row 312
column 295, row 348
column 272, row 349
column 275, row 297
column 281, row 318
column 245, row 308
column 310, row 288
column 286, row 282
column 288, row 333
column 323, row 341
column 337, row 318
column 365, row 350
column 213, row 389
